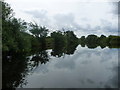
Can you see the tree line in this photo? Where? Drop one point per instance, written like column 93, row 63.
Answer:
column 92, row 41
column 20, row 36
column 15, row 36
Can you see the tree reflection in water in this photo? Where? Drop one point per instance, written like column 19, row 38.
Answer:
column 17, row 66
column 59, row 50
column 40, row 58
column 14, row 70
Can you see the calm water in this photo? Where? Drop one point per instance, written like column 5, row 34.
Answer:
column 85, row 68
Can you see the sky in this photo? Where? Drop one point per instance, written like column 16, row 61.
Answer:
column 84, row 17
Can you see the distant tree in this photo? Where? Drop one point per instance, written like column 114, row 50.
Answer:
column 58, row 37
column 113, row 41
column 82, row 41
column 59, row 43
column 91, row 41
column 82, row 38
column 64, row 42
column 71, row 37
column 38, row 31
column 102, row 41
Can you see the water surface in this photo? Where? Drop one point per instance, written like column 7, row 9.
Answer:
column 86, row 68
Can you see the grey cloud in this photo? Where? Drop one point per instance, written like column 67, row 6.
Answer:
column 115, row 8
column 108, row 27
column 64, row 18
column 41, row 15
column 105, row 22
column 84, row 19
column 38, row 14
column 111, row 29
column 118, row 8
column 97, row 28
column 67, row 21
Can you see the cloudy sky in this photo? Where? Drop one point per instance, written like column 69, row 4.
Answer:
column 81, row 16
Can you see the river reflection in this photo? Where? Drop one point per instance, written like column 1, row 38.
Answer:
column 74, row 67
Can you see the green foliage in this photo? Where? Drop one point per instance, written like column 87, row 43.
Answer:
column 59, row 38
column 7, row 12
column 102, row 41
column 67, row 38
column 49, row 42
column 82, row 41
column 59, row 43
column 24, row 42
column 14, row 37
column 92, row 41
column 36, row 45
column 113, row 41
column 70, row 49
column 64, row 43
column 38, row 31
column 71, row 37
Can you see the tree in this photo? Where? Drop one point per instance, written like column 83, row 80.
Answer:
column 91, row 41
column 71, row 37
column 82, row 41
column 38, row 31
column 7, row 12
column 102, row 41
column 14, row 38
column 113, row 41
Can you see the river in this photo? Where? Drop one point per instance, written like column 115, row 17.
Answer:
column 83, row 68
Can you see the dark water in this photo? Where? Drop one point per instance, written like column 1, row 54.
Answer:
column 80, row 67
